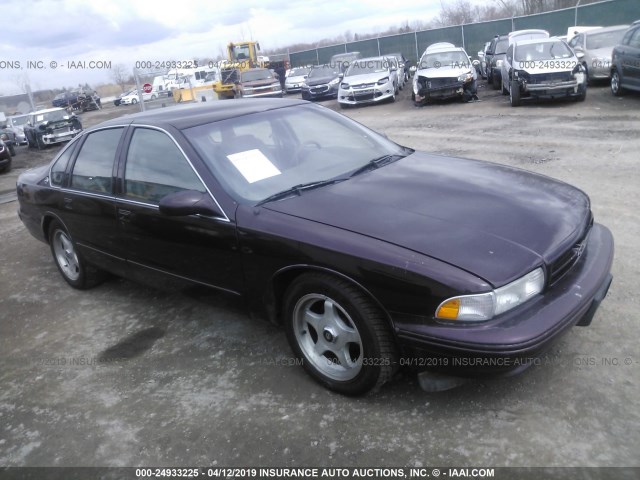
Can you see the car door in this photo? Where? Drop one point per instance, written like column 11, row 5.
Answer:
column 159, row 248
column 88, row 207
column 630, row 59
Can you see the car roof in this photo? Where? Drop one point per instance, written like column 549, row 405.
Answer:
column 538, row 40
column 612, row 28
column 436, row 47
column 46, row 110
column 191, row 115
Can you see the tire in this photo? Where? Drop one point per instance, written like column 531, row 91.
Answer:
column 70, row 263
column 496, row 82
column 355, row 352
column 153, row 97
column 40, row 143
column 616, row 89
column 583, row 95
column 514, row 94
column 134, row 101
column 12, row 149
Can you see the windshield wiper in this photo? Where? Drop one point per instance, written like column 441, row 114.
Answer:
column 377, row 163
column 297, row 189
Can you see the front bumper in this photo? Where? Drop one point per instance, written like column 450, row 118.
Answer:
column 53, row 138
column 373, row 94
column 320, row 91
column 513, row 341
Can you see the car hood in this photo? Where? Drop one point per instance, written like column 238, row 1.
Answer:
column 296, row 79
column 443, row 72
column 320, row 80
column 366, row 78
column 547, row 66
column 494, row 221
column 260, row 83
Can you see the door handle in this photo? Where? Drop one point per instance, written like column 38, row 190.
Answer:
column 124, row 215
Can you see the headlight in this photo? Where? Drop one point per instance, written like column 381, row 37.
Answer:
column 344, row 86
column 465, row 77
column 304, row 85
column 498, row 63
column 484, row 306
column 382, row 81
column 4, row 137
column 335, row 81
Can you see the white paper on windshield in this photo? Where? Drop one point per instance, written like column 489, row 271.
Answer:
column 253, row 165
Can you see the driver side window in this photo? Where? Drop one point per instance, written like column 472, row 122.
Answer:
column 156, row 167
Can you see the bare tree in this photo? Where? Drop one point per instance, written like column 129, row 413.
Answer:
column 119, row 75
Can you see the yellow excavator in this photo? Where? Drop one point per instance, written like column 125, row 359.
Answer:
column 241, row 56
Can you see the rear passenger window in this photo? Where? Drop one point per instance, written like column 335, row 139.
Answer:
column 156, row 167
column 94, row 165
column 59, row 168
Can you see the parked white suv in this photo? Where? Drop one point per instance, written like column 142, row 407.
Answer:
column 542, row 68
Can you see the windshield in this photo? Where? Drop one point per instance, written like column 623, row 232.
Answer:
column 52, row 116
column 19, row 121
column 604, row 39
column 454, row 59
column 255, row 156
column 371, row 65
column 323, row 71
column 542, row 51
column 253, row 75
column 298, row 72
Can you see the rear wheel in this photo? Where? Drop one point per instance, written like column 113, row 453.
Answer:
column 616, row 89
column 339, row 333
column 70, row 263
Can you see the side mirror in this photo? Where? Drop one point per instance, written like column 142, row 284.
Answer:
column 189, row 202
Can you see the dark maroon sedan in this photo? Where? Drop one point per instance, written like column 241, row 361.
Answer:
column 370, row 254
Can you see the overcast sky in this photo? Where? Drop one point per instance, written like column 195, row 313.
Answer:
column 126, row 31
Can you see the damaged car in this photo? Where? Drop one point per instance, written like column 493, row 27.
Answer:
column 542, row 69
column 51, row 126
column 369, row 80
column 444, row 71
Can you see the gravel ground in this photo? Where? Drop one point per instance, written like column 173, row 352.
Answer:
column 124, row 375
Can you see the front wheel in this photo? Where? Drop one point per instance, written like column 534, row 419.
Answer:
column 340, row 335
column 514, row 93
column 70, row 263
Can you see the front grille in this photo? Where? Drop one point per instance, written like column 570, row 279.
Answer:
column 553, row 77
column 363, row 85
column 320, row 89
column 565, row 262
column 441, row 82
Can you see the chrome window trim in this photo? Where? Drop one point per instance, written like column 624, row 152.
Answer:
column 88, row 193
column 153, row 127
